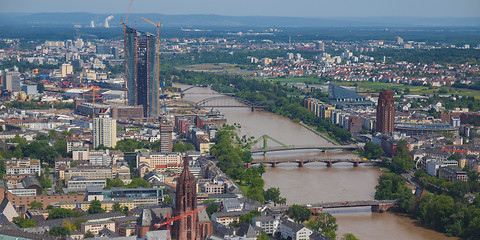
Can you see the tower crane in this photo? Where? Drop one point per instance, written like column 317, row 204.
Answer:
column 158, row 25
column 163, row 97
column 93, row 88
column 170, row 220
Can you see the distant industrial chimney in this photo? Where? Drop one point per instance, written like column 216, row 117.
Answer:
column 108, row 19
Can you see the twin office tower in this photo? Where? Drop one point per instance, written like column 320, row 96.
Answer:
column 141, row 72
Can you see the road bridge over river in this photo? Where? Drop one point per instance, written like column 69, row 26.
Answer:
column 301, row 162
column 376, row 205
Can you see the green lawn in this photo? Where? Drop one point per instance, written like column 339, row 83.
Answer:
column 378, row 86
column 210, row 67
column 243, row 187
column 292, row 79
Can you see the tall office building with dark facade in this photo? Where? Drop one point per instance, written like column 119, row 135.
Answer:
column 141, row 71
column 385, row 112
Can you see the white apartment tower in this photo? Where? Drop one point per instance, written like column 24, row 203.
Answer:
column 104, row 131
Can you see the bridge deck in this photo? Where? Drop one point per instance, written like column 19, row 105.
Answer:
column 344, row 147
column 344, row 204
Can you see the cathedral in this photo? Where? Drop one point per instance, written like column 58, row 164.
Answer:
column 186, row 201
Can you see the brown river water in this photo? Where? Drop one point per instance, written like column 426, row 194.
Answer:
column 315, row 182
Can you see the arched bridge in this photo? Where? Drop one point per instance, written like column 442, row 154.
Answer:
column 282, row 148
column 301, row 162
column 194, row 86
column 228, row 101
column 377, row 205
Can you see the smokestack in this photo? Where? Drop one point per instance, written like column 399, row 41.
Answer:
column 108, row 19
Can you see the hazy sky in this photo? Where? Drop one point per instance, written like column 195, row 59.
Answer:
column 305, row 8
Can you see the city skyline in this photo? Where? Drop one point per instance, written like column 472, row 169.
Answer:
column 303, row 8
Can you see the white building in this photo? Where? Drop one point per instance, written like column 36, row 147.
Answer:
column 67, row 69
column 104, row 132
column 269, row 224
column 294, row 231
column 23, row 166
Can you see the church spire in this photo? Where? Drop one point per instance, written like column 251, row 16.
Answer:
column 186, row 162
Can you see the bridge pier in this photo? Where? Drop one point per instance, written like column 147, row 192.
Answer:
column 355, row 164
column 316, row 210
column 248, row 165
column 253, row 109
column 300, row 163
column 381, row 208
column 329, row 164
column 274, row 164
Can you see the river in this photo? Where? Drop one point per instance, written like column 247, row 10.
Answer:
column 315, row 182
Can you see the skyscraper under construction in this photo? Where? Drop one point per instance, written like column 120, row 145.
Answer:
column 141, row 71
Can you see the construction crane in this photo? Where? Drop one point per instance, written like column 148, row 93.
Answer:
column 93, row 98
column 170, row 220
column 125, row 51
column 163, row 97
column 158, row 25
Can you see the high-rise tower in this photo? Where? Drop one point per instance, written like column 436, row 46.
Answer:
column 104, row 132
column 385, row 112
column 166, row 130
column 185, row 201
column 141, row 71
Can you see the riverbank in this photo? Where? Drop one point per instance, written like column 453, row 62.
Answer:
column 318, row 133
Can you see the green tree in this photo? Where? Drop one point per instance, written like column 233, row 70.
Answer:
column 255, row 194
column 24, row 223
column 261, row 169
column 95, row 207
column 116, row 182
column 263, row 236
column 212, row 208
column 325, row 223
column 40, row 87
column 299, row 213
column 78, row 223
column 273, row 195
column 58, row 231
column 73, row 164
column 88, row 234
column 138, row 183
column 125, row 210
column 247, row 218
column 190, row 147
column 56, row 213
column 349, row 236
column 36, row 205
column 402, row 161
column 117, row 207
column 372, row 150
column 61, row 147
column 436, row 213
column 179, row 147
column 128, row 145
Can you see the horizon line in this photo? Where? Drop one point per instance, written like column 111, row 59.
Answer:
column 214, row 14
